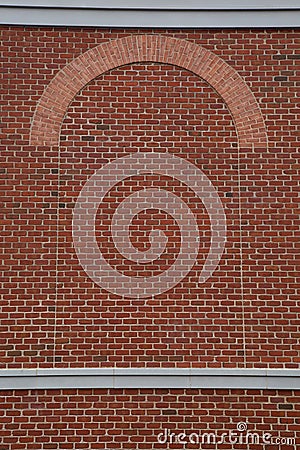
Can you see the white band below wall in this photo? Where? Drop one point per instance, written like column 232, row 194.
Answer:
column 138, row 378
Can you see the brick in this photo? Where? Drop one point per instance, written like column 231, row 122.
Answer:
column 224, row 100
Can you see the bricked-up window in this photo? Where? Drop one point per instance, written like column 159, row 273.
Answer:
column 51, row 310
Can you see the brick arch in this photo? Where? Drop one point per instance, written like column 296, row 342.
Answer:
column 49, row 114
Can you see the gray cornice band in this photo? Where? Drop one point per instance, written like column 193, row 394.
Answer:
column 156, row 4
column 138, row 378
column 157, row 14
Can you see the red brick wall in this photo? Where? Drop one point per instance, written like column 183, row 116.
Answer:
column 162, row 95
column 245, row 312
column 145, row 107
column 135, row 419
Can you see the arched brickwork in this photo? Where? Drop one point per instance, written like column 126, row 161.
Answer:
column 224, row 79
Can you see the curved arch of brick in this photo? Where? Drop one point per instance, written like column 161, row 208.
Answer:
column 49, row 114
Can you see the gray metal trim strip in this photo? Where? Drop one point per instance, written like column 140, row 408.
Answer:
column 139, row 378
column 157, row 13
column 156, row 4
column 149, row 17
